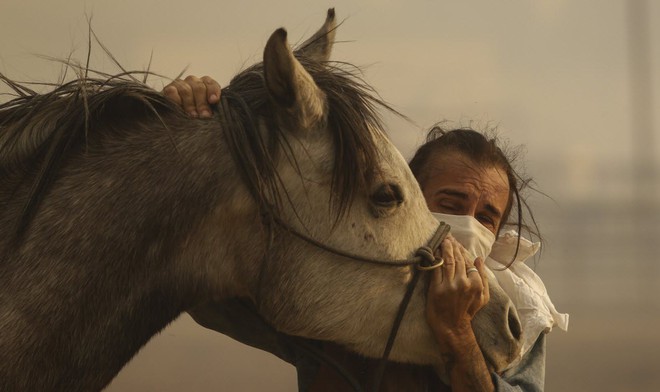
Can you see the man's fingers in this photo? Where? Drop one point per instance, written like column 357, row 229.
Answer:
column 184, row 90
column 212, row 89
column 172, row 93
column 460, row 259
column 436, row 280
column 200, row 102
column 479, row 264
column 449, row 267
column 194, row 94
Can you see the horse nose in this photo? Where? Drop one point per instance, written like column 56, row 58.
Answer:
column 500, row 330
column 514, row 329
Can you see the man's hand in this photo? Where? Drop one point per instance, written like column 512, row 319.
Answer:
column 456, row 293
column 194, row 94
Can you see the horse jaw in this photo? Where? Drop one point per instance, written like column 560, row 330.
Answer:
column 322, row 296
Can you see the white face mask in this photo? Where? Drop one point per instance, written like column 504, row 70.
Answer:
column 476, row 238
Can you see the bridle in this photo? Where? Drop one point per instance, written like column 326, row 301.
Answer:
column 423, row 260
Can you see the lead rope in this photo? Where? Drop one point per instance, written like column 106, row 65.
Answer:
column 382, row 363
column 438, row 237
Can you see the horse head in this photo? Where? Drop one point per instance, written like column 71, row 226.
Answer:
column 341, row 181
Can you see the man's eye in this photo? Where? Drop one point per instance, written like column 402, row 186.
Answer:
column 448, row 207
column 486, row 220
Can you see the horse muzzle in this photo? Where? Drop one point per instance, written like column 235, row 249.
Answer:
column 499, row 331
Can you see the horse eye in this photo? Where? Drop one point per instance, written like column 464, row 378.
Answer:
column 388, row 195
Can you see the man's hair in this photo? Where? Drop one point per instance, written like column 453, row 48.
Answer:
column 484, row 151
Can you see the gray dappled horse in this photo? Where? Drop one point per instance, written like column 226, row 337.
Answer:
column 118, row 213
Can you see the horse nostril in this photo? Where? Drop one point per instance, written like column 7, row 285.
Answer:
column 387, row 195
column 514, row 323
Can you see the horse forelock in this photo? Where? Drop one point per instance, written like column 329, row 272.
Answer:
column 352, row 118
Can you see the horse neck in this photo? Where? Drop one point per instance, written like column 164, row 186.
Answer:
column 102, row 268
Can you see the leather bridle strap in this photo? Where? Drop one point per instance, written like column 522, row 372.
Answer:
column 440, row 234
column 382, row 363
column 423, row 258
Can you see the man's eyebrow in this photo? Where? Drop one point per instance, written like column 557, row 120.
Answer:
column 453, row 192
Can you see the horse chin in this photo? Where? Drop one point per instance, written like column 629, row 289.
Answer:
column 414, row 344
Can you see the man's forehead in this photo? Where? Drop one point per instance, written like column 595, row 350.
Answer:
column 459, row 171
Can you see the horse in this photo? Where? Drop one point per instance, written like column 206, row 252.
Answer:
column 119, row 212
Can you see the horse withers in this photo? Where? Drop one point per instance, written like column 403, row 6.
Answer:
column 119, row 213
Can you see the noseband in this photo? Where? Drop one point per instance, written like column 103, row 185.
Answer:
column 423, row 260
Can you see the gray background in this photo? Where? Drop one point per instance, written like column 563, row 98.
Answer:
column 575, row 82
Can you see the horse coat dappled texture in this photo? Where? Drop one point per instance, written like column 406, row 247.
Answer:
column 119, row 213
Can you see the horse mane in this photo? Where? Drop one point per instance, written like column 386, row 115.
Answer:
column 353, row 120
column 38, row 132
column 28, row 121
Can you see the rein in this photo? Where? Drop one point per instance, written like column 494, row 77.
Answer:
column 424, row 260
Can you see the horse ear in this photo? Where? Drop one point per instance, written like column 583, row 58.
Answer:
column 290, row 85
column 319, row 46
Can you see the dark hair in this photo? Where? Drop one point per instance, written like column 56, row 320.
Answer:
column 484, row 150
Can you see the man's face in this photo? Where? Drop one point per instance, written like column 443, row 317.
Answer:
column 455, row 185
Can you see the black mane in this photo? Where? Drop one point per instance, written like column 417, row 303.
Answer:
column 39, row 131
